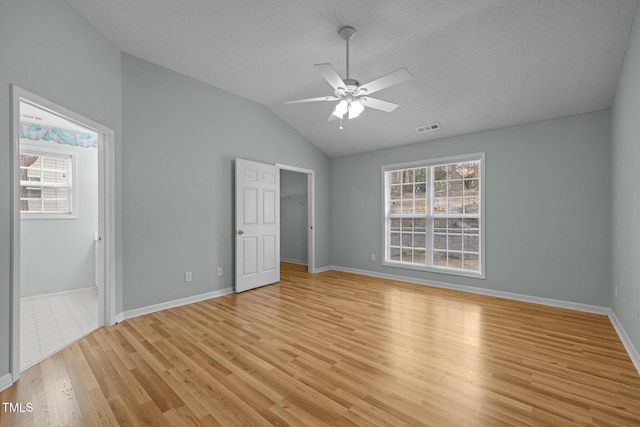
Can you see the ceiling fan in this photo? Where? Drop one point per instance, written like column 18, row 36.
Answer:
column 352, row 96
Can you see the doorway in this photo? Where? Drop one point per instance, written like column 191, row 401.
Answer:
column 62, row 228
column 297, row 199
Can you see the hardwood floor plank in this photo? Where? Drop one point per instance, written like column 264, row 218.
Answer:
column 339, row 349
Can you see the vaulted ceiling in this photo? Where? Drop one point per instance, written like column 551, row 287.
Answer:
column 476, row 65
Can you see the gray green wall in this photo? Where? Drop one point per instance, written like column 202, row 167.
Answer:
column 546, row 199
column 625, row 194
column 293, row 217
column 48, row 49
column 180, row 141
column 58, row 255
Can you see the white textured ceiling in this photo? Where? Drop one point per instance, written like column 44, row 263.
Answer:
column 476, row 65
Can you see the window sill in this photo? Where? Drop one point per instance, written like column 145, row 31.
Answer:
column 447, row 271
column 24, row 215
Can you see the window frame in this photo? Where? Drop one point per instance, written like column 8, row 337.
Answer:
column 429, row 215
column 72, row 157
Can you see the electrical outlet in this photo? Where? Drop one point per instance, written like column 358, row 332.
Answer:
column 188, row 276
column 219, row 271
column 373, row 257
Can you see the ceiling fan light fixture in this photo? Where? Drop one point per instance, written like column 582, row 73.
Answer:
column 341, row 109
column 355, row 109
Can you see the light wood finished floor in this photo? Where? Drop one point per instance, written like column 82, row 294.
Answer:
column 339, row 349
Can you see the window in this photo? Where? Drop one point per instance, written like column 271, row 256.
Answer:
column 433, row 215
column 46, row 184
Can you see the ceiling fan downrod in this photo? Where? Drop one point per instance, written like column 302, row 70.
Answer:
column 347, row 33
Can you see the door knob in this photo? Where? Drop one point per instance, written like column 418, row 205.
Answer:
column 240, row 232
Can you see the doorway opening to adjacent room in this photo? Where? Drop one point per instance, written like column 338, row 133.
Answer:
column 62, row 246
column 297, row 220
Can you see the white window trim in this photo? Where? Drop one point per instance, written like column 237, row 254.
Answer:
column 73, row 190
column 385, row 208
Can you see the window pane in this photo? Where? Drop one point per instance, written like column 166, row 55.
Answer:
column 455, row 242
column 407, row 176
column 440, row 189
column 440, row 173
column 439, row 206
column 455, row 205
column 420, row 206
column 407, row 207
column 394, row 254
column 440, row 241
column 419, row 224
column 439, row 259
column 395, row 239
column 455, row 188
column 419, row 256
column 455, row 260
column 440, row 225
column 471, row 225
column 471, row 170
column 395, row 191
column 420, row 174
column 471, row 205
column 31, row 205
column 420, row 191
column 455, row 171
column 471, row 262
column 419, row 241
column 472, row 243
column 407, row 239
column 407, row 191
column 407, row 255
column 395, row 224
column 471, row 187
column 454, row 225
column 396, row 177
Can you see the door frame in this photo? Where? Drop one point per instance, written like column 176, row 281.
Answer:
column 106, row 214
column 311, row 232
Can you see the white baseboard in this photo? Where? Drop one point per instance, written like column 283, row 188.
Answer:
column 294, row 261
column 5, row 382
column 171, row 304
column 323, row 269
column 119, row 317
column 89, row 289
column 626, row 341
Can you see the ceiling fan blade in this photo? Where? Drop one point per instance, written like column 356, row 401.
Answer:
column 332, row 117
column 379, row 104
column 320, row 98
column 330, row 75
column 383, row 82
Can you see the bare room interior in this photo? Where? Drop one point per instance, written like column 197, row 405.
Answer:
column 320, row 213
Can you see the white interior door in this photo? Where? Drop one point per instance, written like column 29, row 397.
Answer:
column 257, row 224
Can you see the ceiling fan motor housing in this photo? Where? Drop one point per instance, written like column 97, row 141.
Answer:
column 352, row 88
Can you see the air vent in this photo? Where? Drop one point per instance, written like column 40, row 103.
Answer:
column 428, row 128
